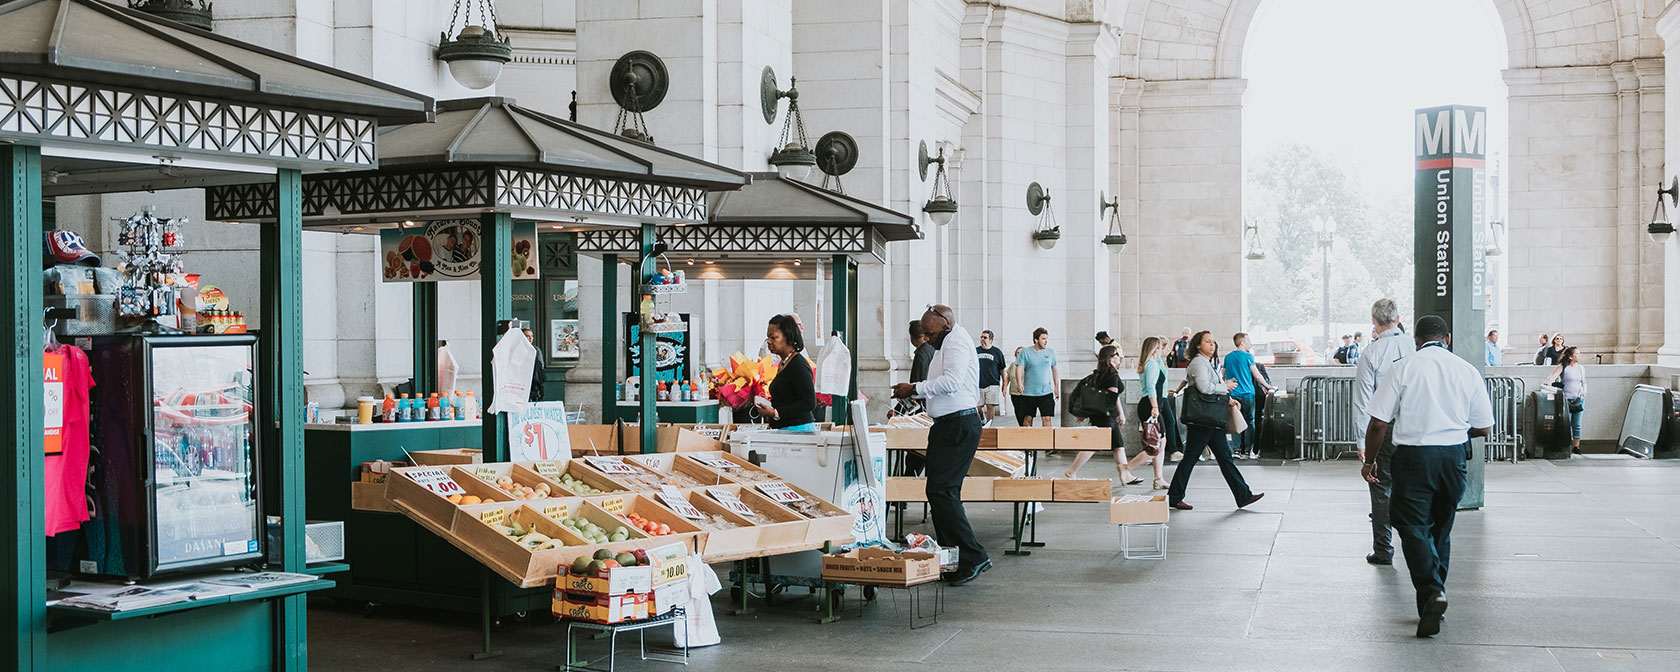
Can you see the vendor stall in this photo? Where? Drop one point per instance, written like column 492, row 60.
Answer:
column 105, row 99
column 454, row 199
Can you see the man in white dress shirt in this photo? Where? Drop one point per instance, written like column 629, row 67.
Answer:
column 950, row 394
column 1390, row 344
column 1435, row 402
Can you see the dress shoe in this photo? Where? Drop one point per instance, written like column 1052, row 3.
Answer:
column 1379, row 559
column 1434, row 608
column 1182, row 506
column 964, row 576
column 1251, row 500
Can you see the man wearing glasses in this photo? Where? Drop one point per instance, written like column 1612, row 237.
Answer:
column 950, row 394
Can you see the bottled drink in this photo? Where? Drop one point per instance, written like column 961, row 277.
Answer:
column 444, row 410
column 388, row 410
column 460, row 406
column 432, row 408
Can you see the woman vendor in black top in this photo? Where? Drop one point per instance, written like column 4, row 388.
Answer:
column 793, row 394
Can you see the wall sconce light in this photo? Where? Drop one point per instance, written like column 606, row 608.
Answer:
column 195, row 13
column 1496, row 233
column 1048, row 233
column 1256, row 251
column 837, row 154
column 1660, row 228
column 1116, row 238
column 940, row 207
column 793, row 158
column 639, row 82
column 476, row 54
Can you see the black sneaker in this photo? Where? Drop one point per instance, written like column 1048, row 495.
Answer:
column 1380, row 559
column 1434, row 608
column 965, row 576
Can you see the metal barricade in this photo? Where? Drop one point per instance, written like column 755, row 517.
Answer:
column 1327, row 418
column 1505, row 443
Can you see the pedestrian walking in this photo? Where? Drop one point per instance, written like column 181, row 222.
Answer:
column 1012, row 380
column 1357, row 348
column 1153, row 408
column 1210, row 396
column 1572, row 375
column 1390, row 346
column 950, row 394
column 1550, row 352
column 1241, row 368
column 991, row 376
column 1491, row 349
column 1040, row 378
column 1433, row 402
column 1106, row 378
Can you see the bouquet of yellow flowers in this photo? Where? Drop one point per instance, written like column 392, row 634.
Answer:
column 744, row 379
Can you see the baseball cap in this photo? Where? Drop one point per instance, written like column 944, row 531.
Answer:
column 66, row 247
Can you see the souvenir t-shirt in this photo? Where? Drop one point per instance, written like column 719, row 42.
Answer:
column 68, row 379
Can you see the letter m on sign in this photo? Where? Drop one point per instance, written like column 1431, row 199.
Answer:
column 1471, row 137
column 1432, row 132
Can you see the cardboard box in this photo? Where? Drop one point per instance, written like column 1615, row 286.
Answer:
column 600, row 609
column 667, row 596
column 1138, row 513
column 434, row 507
column 616, row 581
column 603, row 439
column 1081, row 489
column 1023, row 490
column 1017, row 437
column 369, row 497
column 875, row 565
column 376, row 471
column 1082, row 438
column 677, row 439
column 914, row 489
column 447, row 456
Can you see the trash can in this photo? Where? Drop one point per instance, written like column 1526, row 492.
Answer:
column 1547, row 437
column 1277, row 425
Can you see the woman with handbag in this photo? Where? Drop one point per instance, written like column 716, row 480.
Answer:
column 1573, row 374
column 1208, row 408
column 1152, row 408
column 1107, row 377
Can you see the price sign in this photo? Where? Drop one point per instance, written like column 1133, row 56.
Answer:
column 492, row 517
column 487, row 472
column 713, row 433
column 716, row 462
column 610, row 465
column 539, row 433
column 674, row 499
column 547, row 469
column 555, row 511
column 433, row 479
column 613, row 505
column 779, row 492
column 731, row 502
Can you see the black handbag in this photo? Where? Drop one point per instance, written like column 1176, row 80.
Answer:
column 1576, row 405
column 1206, row 410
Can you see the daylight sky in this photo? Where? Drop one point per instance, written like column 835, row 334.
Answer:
column 1344, row 76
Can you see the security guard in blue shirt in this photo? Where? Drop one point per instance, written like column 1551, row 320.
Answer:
column 1435, row 402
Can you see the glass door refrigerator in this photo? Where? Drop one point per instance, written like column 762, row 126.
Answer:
column 176, row 417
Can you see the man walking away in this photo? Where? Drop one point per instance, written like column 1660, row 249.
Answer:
column 1436, row 403
column 1390, row 346
column 991, row 376
column 950, row 393
column 1540, row 355
column 1358, row 347
column 1241, row 367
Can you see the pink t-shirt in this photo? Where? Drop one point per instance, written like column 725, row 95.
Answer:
column 68, row 379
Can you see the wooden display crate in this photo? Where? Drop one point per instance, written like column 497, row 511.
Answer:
column 369, row 497
column 679, row 473
column 837, row 526
column 474, row 526
column 914, row 489
column 1082, row 438
column 680, row 439
column 489, row 473
column 580, row 472
column 646, row 507
column 1017, row 437
column 904, row 436
column 1081, row 489
column 723, row 542
column 777, row 526
column 602, row 439
column 400, row 486
column 1023, row 490
column 742, row 471
column 996, row 464
column 447, row 456
column 1138, row 513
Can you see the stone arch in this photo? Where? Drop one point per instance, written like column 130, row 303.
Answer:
column 1240, row 15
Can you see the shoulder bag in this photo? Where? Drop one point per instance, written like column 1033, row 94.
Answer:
column 1206, row 410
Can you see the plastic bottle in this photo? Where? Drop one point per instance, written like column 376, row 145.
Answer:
column 664, row 394
column 472, row 406
column 460, row 405
column 444, row 410
column 388, row 410
column 433, row 409
column 405, row 409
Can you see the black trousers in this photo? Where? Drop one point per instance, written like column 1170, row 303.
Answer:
column 951, row 444
column 1428, row 482
column 1207, row 437
column 1382, row 539
column 1249, row 439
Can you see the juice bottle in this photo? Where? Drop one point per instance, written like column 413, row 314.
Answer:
column 444, row 410
column 664, row 394
column 472, row 406
column 388, row 410
column 405, row 409
column 460, row 405
column 432, row 408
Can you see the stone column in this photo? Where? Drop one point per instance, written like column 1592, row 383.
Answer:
column 1091, row 51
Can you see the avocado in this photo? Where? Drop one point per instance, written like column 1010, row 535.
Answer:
column 581, row 564
column 626, row 559
column 603, row 554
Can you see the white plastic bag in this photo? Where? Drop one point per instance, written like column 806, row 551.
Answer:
column 512, row 360
column 834, row 368
column 699, row 628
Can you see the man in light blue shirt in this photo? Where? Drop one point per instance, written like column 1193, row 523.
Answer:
column 1390, row 346
column 1491, row 347
column 1039, row 388
column 1240, row 367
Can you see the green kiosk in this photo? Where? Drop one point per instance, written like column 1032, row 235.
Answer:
column 485, row 167
column 97, row 98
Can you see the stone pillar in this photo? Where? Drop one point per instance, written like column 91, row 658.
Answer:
column 1125, row 287
column 1668, row 26
column 1189, row 227
column 1091, row 51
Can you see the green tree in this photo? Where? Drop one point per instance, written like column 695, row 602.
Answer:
column 1290, row 190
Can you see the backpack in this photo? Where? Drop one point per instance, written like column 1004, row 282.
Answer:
column 1178, row 354
column 1089, row 398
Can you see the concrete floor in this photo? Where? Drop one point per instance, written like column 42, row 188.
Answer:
column 1571, row 567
